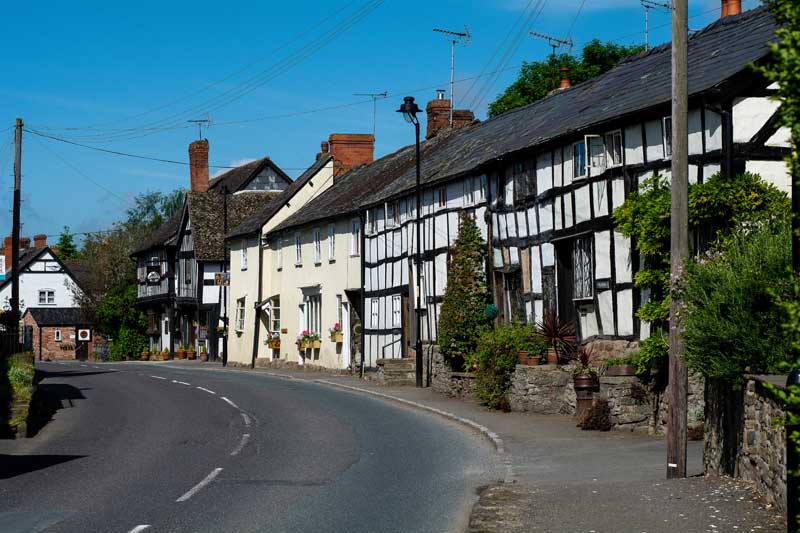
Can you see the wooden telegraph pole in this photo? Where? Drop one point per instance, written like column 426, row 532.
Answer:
column 679, row 247
column 15, row 235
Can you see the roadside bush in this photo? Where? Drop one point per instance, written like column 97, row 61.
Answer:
column 128, row 345
column 495, row 359
column 732, row 318
column 465, row 296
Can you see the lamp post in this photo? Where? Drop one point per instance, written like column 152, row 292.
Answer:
column 409, row 109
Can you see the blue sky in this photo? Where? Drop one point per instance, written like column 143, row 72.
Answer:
column 127, row 77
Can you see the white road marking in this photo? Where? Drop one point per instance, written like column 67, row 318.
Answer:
column 246, row 419
column 181, row 382
column 84, row 365
column 208, row 479
column 157, row 377
column 137, row 529
column 206, row 390
column 242, row 444
column 230, row 402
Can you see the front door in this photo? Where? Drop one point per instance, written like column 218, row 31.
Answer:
column 81, row 350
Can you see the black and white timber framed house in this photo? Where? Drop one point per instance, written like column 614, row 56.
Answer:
column 182, row 269
column 542, row 181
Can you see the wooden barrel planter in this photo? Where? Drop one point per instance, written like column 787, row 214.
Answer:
column 585, row 387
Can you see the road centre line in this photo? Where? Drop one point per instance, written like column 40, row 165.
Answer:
column 181, row 382
column 206, row 390
column 208, row 479
column 241, row 445
column 246, row 419
column 229, row 402
column 137, row 529
column 158, row 377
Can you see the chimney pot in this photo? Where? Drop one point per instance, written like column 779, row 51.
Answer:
column 325, row 147
column 40, row 241
column 198, row 166
column 565, row 83
column 351, row 150
column 731, row 7
column 24, row 243
column 440, row 94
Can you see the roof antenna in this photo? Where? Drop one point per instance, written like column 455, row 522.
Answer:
column 454, row 37
column 200, row 122
column 554, row 43
column 374, row 97
column 648, row 5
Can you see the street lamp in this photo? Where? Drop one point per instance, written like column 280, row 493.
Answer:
column 409, row 109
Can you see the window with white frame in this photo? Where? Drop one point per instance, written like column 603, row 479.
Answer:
column 579, row 159
column 373, row 313
column 243, row 257
column 614, row 148
column 279, row 251
column 47, row 297
column 667, row 131
column 313, row 312
column 597, row 154
column 317, row 247
column 582, row 261
column 355, row 237
column 57, row 335
column 331, row 242
column 275, row 315
column 240, row 314
column 371, row 226
column 298, row 249
column 481, row 188
column 339, row 310
column 397, row 315
column 441, row 197
column 469, row 190
column 390, row 214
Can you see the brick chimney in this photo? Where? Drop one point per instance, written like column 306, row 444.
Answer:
column 198, row 166
column 324, row 148
column 730, row 7
column 24, row 243
column 438, row 112
column 565, row 83
column 40, row 241
column 351, row 150
column 7, row 251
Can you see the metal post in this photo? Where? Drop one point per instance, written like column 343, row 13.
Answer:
column 15, row 227
column 226, row 267
column 418, row 348
column 452, row 79
column 679, row 241
column 646, row 31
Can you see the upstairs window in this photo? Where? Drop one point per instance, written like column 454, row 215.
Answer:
column 441, row 197
column 355, row 237
column 371, row 227
column 331, row 242
column 469, row 190
column 243, row 257
column 390, row 213
column 240, row 314
column 275, row 315
column 597, row 154
column 279, row 251
column 47, row 297
column 614, row 148
column 667, row 130
column 187, row 271
column 298, row 249
column 313, row 313
column 582, row 260
column 579, row 160
column 317, row 247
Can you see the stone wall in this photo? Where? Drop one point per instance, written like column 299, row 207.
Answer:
column 543, row 389
column 448, row 382
column 631, row 404
column 742, row 439
column 605, row 349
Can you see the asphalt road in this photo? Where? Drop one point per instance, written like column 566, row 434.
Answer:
column 178, row 449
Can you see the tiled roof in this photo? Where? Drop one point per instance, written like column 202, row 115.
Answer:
column 716, row 53
column 163, row 235
column 253, row 224
column 235, row 178
column 206, row 211
column 57, row 316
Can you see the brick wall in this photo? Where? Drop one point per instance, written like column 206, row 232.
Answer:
column 351, row 150
column 50, row 347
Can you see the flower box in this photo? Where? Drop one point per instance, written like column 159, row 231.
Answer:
column 316, row 345
column 337, row 337
column 274, row 344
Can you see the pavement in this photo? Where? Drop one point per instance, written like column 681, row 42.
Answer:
column 182, row 447
column 558, row 478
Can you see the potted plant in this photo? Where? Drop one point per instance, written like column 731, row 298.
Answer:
column 316, row 342
column 621, row 366
column 561, row 336
column 191, row 354
column 204, row 353
column 304, row 340
column 337, row 335
column 165, row 354
column 145, row 355
column 181, row 351
column 584, row 379
column 273, row 340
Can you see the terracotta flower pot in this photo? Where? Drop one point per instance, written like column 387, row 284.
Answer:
column 204, row 356
column 145, row 356
column 181, row 354
column 522, row 357
column 191, row 354
column 165, row 356
column 552, row 356
column 534, row 361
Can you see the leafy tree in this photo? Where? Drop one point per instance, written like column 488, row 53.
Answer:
column 466, row 294
column 535, row 78
column 66, row 245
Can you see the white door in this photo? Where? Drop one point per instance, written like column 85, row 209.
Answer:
column 346, row 331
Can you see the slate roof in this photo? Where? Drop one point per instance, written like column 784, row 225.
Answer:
column 237, row 177
column 57, row 316
column 164, row 234
column 643, row 82
column 254, row 223
column 206, row 211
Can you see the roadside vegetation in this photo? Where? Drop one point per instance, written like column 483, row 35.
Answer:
column 17, row 377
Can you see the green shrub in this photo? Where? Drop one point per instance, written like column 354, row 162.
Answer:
column 465, row 296
column 495, row 359
column 732, row 318
column 129, row 344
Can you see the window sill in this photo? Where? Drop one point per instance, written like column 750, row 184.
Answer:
column 317, row 263
column 585, row 300
column 355, row 255
column 279, row 269
column 331, row 261
column 297, row 265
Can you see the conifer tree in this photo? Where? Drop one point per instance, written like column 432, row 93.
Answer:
column 466, row 294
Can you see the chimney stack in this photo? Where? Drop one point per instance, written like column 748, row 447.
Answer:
column 7, row 247
column 40, row 241
column 439, row 116
column 731, row 7
column 350, row 150
column 323, row 150
column 198, row 166
column 24, row 243
column 565, row 83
